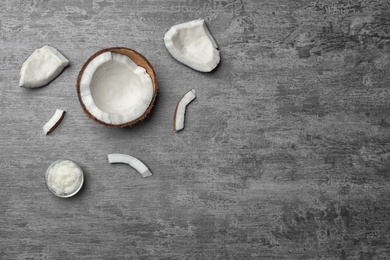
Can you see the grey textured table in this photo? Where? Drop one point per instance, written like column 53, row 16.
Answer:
column 285, row 154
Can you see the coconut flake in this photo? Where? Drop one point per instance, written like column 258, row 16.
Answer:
column 54, row 121
column 43, row 66
column 178, row 121
column 192, row 44
column 132, row 161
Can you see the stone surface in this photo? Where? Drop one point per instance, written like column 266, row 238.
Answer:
column 285, row 154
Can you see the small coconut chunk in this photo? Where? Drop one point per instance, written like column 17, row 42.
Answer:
column 54, row 121
column 43, row 66
column 178, row 121
column 192, row 44
column 132, row 161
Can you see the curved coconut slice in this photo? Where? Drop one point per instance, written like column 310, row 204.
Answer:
column 132, row 161
column 178, row 121
column 54, row 121
column 43, row 66
column 117, row 87
column 192, row 44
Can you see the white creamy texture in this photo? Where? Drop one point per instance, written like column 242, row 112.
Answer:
column 43, row 65
column 192, row 44
column 64, row 177
column 114, row 89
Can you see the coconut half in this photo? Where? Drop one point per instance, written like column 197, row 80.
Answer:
column 132, row 161
column 178, row 120
column 192, row 44
column 43, row 66
column 117, row 87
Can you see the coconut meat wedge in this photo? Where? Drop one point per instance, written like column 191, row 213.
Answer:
column 192, row 44
column 43, row 66
column 117, row 87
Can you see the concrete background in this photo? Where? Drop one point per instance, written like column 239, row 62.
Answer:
column 285, row 154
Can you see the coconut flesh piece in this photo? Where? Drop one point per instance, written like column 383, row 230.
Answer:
column 114, row 89
column 192, row 44
column 178, row 121
column 132, row 161
column 54, row 121
column 43, row 66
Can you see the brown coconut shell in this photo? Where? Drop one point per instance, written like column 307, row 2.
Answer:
column 140, row 61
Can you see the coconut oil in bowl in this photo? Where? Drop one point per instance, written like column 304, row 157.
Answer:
column 64, row 178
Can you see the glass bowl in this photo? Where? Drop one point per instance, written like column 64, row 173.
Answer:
column 65, row 194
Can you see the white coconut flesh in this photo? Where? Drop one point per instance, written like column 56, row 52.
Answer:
column 132, row 161
column 54, row 121
column 181, row 110
column 192, row 44
column 114, row 89
column 43, row 66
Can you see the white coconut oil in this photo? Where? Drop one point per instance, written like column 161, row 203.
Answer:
column 64, row 178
